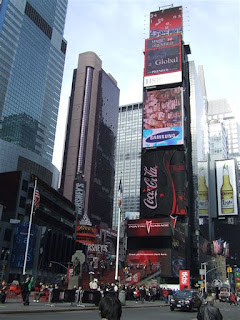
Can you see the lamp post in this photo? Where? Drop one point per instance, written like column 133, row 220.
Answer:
column 205, row 273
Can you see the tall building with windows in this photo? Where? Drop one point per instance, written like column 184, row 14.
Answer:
column 89, row 155
column 128, row 159
column 32, row 56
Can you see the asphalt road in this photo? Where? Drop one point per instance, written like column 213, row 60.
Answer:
column 229, row 312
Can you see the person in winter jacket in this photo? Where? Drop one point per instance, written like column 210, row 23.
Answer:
column 208, row 311
column 26, row 289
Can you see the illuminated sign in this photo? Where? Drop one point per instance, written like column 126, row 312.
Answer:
column 165, row 21
column 163, row 60
column 79, row 199
column 149, row 227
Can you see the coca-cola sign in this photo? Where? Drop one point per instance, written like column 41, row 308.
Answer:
column 163, row 180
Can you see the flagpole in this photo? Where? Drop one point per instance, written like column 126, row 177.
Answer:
column 118, row 240
column 29, row 228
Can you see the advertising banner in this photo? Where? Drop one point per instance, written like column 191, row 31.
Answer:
column 163, row 184
column 203, row 188
column 163, row 57
column 159, row 260
column 149, row 227
column 184, row 279
column 166, row 21
column 19, row 245
column 226, row 188
column 163, row 118
column 79, row 197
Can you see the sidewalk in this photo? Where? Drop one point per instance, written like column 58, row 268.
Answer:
column 11, row 306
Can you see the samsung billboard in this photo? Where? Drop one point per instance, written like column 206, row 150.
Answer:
column 166, row 21
column 163, row 60
column 163, row 118
column 226, row 188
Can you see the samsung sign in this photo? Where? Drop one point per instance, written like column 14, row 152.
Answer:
column 79, row 199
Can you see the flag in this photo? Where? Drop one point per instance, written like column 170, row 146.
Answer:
column 36, row 200
column 120, row 194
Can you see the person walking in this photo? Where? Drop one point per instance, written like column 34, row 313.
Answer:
column 208, row 311
column 26, row 289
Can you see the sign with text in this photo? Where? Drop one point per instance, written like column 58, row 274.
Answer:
column 79, row 197
column 149, row 227
column 163, row 60
column 163, row 118
column 166, row 21
column 184, row 279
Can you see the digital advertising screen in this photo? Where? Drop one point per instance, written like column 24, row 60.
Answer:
column 163, row 184
column 159, row 260
column 163, row 60
column 203, row 188
column 226, row 188
column 166, row 21
column 149, row 227
column 163, row 118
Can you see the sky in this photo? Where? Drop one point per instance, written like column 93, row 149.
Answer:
column 116, row 31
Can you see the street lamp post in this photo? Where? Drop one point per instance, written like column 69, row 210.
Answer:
column 205, row 273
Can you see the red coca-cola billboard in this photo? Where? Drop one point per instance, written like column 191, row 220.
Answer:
column 184, row 279
column 149, row 227
column 163, row 184
column 157, row 260
column 165, row 21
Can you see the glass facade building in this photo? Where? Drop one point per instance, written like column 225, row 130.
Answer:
column 32, row 55
column 128, row 159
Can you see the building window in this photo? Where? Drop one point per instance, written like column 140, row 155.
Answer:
column 22, row 202
column 25, row 185
column 7, row 235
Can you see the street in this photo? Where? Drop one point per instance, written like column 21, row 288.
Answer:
column 229, row 312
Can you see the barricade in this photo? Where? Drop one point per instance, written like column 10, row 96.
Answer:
column 58, row 295
column 92, row 296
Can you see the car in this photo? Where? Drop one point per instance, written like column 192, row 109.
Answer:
column 186, row 299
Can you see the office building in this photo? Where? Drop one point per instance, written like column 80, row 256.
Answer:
column 128, row 160
column 32, row 55
column 89, row 156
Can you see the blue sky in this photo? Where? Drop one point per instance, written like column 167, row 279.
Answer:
column 115, row 30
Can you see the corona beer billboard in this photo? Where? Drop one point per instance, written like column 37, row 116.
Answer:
column 226, row 188
column 166, row 21
column 163, row 118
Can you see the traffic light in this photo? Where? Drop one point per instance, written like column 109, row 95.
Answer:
column 237, row 278
column 50, row 265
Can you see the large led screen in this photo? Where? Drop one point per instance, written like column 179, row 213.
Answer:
column 226, row 188
column 163, row 118
column 203, row 188
column 163, row 60
column 163, row 184
column 157, row 260
column 149, row 227
column 165, row 21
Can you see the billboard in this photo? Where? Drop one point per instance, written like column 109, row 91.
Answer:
column 166, row 21
column 163, row 60
column 203, row 188
column 226, row 188
column 79, row 197
column 184, row 279
column 160, row 260
column 149, row 227
column 19, row 245
column 163, row 184
column 163, row 118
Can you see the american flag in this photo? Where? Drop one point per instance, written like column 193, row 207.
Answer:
column 226, row 249
column 120, row 194
column 217, row 246
column 36, row 200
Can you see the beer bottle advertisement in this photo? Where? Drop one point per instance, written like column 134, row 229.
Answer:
column 202, row 189
column 226, row 186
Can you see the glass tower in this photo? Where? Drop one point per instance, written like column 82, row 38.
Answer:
column 128, row 159
column 32, row 55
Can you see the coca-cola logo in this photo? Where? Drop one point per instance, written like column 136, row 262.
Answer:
column 150, row 179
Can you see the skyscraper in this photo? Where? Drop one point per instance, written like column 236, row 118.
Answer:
column 89, row 156
column 128, row 159
column 32, row 55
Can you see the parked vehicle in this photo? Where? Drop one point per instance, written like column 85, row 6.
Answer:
column 186, row 299
column 224, row 294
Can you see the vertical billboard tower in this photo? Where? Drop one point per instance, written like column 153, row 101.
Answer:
column 166, row 174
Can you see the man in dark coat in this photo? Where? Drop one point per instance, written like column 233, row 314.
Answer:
column 208, row 311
